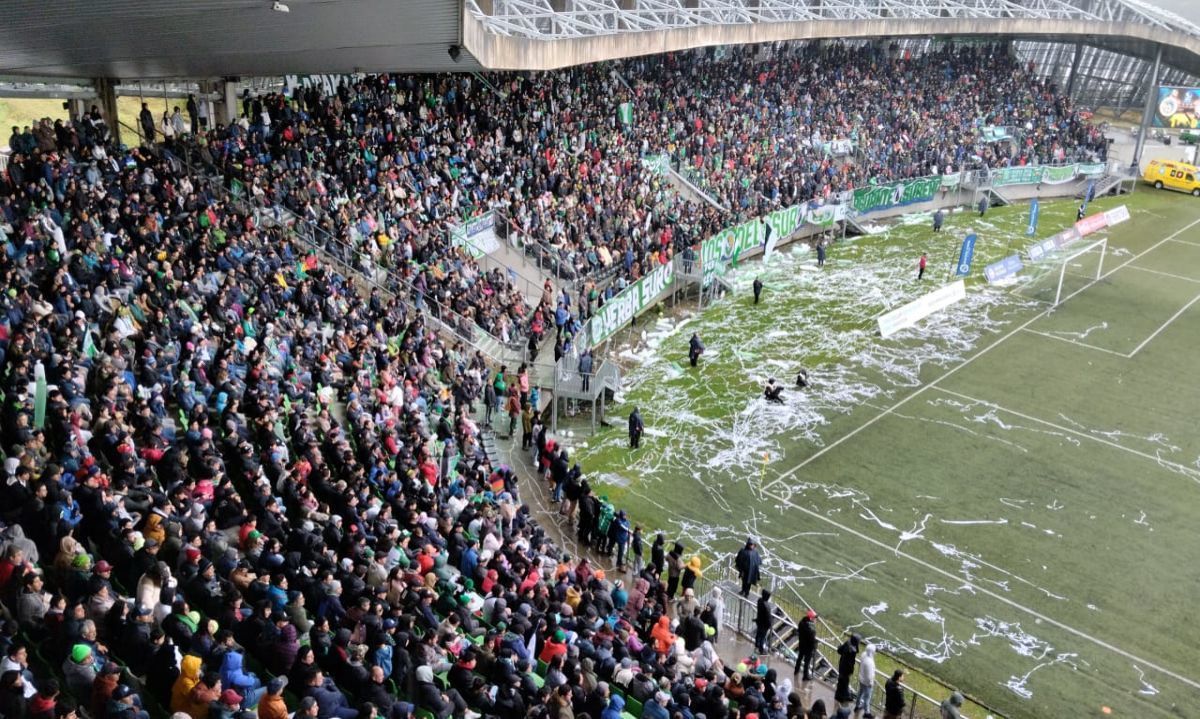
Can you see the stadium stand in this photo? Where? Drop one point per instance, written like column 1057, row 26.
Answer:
column 224, row 465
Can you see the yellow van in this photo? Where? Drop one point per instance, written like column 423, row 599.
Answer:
column 1173, row 176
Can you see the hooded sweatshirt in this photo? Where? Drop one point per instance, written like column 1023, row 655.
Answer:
column 616, row 705
column 866, row 666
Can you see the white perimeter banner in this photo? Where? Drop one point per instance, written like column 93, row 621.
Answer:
column 920, row 308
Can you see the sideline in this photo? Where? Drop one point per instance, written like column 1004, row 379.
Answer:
column 984, row 590
column 933, row 383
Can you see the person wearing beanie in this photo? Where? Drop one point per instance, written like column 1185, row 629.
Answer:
column 226, row 706
column 555, row 646
column 79, row 672
column 272, row 706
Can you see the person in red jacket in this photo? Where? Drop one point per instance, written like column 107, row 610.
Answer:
column 921, row 266
column 556, row 646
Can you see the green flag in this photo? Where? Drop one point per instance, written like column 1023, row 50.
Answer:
column 625, row 113
column 39, row 396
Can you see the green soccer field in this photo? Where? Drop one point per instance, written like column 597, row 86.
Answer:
column 1003, row 495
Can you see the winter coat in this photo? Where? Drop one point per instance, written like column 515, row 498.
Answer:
column 748, row 563
column 233, row 676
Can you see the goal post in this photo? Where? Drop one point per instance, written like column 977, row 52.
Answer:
column 1066, row 263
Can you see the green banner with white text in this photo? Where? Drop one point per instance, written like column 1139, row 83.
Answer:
column 882, row 197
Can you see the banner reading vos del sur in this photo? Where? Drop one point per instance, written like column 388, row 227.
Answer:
column 881, row 197
column 726, row 246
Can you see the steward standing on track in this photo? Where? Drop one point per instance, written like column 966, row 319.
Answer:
column 748, row 563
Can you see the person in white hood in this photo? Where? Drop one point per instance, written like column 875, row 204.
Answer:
column 866, row 681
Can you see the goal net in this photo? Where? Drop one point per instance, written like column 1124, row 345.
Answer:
column 1060, row 275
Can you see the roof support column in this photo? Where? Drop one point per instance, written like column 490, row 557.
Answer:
column 106, row 93
column 1147, row 113
column 225, row 109
column 1074, row 69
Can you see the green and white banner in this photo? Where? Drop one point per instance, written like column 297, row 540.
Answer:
column 477, row 234
column 825, row 216
column 882, row 197
column 657, row 163
column 1058, row 175
column 721, row 251
column 1045, row 174
column 629, row 303
column 625, row 113
column 1017, row 176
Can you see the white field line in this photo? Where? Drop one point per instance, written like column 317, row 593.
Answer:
column 920, row 390
column 1077, row 342
column 984, row 590
column 1186, row 242
column 1181, row 468
column 1164, row 326
column 1165, row 274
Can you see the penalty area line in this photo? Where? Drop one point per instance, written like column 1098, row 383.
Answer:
column 1181, row 468
column 949, row 373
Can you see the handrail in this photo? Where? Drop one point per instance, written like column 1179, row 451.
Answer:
column 740, row 617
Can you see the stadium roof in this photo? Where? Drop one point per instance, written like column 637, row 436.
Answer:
column 130, row 39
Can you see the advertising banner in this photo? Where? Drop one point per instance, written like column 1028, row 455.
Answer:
column 1116, row 215
column 1091, row 224
column 722, row 250
column 1091, row 169
column 1177, row 107
column 965, row 255
column 920, row 308
column 477, row 235
column 1041, row 249
column 629, row 303
column 1066, row 237
column 1003, row 269
column 882, row 197
column 1034, row 210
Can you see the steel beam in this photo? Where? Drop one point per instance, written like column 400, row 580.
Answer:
column 1148, row 112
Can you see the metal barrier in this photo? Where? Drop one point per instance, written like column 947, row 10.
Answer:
column 740, row 615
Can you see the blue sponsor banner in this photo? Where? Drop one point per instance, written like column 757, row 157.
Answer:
column 1005, row 268
column 965, row 255
column 1034, row 210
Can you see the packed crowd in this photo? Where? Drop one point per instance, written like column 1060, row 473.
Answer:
column 758, row 126
column 383, row 166
column 233, row 483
